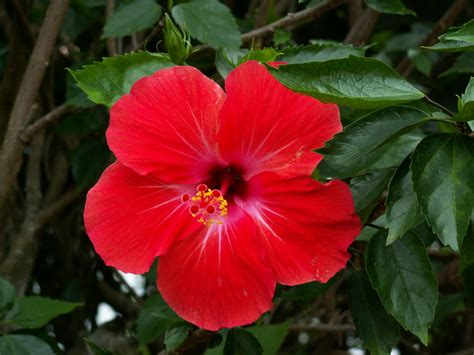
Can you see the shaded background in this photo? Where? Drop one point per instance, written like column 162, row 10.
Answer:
column 44, row 250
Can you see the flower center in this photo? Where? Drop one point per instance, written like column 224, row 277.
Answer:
column 207, row 206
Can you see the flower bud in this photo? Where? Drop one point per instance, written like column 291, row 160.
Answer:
column 177, row 42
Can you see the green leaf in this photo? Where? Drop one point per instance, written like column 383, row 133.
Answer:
column 389, row 7
column 402, row 275
column 34, row 312
column 175, row 336
column 402, row 212
column 443, row 180
column 393, row 153
column 464, row 64
column 75, row 97
column 105, row 82
column 354, row 81
column 464, row 33
column 422, row 60
column 319, row 53
column 241, row 342
column 404, row 41
column 19, row 344
column 367, row 188
column 131, row 18
column 377, row 329
column 281, row 36
column 262, row 55
column 154, row 319
column 457, row 39
column 7, row 294
column 209, row 21
column 270, row 337
column 88, row 161
column 354, row 149
column 466, row 104
column 227, row 59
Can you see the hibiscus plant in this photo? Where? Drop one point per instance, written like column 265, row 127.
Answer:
column 236, row 177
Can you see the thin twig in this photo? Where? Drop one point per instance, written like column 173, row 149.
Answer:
column 406, row 66
column 118, row 300
column 44, row 121
column 125, row 284
column 438, row 105
column 11, row 155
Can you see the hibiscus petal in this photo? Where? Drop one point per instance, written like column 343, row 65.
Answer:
column 218, row 279
column 131, row 219
column 306, row 227
column 167, row 125
column 267, row 127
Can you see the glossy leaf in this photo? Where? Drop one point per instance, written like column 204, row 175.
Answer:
column 154, row 319
column 402, row 275
column 34, row 311
column 377, row 329
column 464, row 64
column 367, row 188
column 319, row 53
column 227, row 59
column 392, row 154
column 350, row 151
column 457, row 39
column 389, row 7
column 270, row 337
column 175, row 336
column 105, row 82
column 466, row 103
column 19, row 344
column 402, row 208
column 209, row 21
column 131, row 18
column 354, row 81
column 443, row 180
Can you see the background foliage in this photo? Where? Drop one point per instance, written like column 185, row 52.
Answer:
column 407, row 151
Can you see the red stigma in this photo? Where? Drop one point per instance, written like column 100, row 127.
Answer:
column 194, row 209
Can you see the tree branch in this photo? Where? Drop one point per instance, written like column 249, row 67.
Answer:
column 291, row 19
column 363, row 27
column 406, row 66
column 45, row 215
column 11, row 155
column 51, row 117
column 19, row 261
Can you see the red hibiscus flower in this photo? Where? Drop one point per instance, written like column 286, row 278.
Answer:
column 218, row 186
